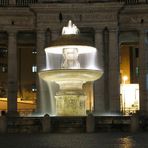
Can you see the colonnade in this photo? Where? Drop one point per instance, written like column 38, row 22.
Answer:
column 107, row 96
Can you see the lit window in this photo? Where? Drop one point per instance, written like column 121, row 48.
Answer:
column 3, row 52
column 3, row 67
column 34, row 51
column 34, row 68
column 34, row 89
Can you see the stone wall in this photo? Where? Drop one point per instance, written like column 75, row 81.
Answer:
column 132, row 123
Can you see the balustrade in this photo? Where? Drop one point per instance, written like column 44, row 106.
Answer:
column 134, row 2
column 25, row 3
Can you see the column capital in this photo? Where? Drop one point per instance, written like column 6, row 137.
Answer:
column 142, row 31
column 12, row 32
column 98, row 30
column 40, row 30
column 113, row 29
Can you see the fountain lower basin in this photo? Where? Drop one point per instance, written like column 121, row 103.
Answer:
column 70, row 99
column 58, row 75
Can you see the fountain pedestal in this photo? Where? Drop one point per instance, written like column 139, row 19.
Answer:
column 70, row 99
column 68, row 105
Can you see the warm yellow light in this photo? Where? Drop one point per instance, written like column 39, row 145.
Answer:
column 130, row 97
column 125, row 78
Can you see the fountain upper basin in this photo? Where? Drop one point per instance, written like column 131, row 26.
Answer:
column 71, row 74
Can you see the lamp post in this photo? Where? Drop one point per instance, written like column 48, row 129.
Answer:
column 125, row 78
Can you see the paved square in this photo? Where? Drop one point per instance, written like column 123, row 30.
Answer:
column 81, row 140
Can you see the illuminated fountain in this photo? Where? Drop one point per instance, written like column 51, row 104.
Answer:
column 71, row 75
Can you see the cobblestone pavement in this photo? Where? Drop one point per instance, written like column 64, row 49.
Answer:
column 81, row 140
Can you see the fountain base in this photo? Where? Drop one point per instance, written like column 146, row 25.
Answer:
column 70, row 99
column 70, row 105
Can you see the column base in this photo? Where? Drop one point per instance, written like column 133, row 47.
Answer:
column 12, row 114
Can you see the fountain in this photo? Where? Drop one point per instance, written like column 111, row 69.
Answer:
column 71, row 75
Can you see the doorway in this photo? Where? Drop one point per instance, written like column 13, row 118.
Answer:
column 129, row 78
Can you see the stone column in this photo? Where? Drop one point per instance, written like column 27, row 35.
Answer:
column 99, row 84
column 143, row 77
column 106, row 68
column 55, row 34
column 47, row 37
column 41, row 64
column 114, row 75
column 12, row 73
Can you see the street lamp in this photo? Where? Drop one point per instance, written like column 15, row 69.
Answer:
column 125, row 78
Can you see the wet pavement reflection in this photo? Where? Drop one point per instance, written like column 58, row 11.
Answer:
column 75, row 140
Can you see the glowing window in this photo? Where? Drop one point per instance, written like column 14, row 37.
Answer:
column 34, row 68
column 34, row 89
column 3, row 67
column 34, row 51
column 3, row 52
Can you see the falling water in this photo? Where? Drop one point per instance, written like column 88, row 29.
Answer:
column 53, row 61
column 48, row 64
column 53, row 87
column 47, row 93
column 44, row 93
column 49, row 89
column 89, row 61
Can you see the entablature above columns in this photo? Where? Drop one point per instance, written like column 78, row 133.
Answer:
column 85, row 15
column 77, row 7
column 16, row 18
column 134, row 16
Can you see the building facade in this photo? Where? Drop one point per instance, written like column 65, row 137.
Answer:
column 118, row 29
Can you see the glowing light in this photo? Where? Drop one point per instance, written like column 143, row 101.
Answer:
column 125, row 78
column 107, row 114
column 130, row 97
